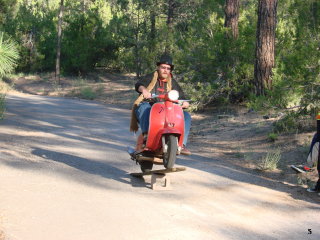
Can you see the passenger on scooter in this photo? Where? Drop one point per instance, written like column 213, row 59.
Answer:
column 161, row 82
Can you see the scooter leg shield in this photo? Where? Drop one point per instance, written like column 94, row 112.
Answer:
column 156, row 123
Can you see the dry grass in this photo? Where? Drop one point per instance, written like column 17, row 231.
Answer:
column 242, row 138
column 102, row 87
column 270, row 161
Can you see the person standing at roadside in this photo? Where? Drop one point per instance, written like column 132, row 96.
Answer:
column 313, row 159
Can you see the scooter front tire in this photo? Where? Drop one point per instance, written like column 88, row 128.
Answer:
column 169, row 158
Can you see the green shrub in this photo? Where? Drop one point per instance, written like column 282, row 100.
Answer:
column 272, row 137
column 86, row 43
column 257, row 103
column 294, row 122
column 87, row 93
column 287, row 124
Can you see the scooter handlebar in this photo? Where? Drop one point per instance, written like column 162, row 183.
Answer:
column 163, row 96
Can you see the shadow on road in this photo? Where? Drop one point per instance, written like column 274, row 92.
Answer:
column 46, row 124
column 238, row 173
column 85, row 165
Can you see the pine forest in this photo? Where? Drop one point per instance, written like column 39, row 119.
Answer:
column 263, row 53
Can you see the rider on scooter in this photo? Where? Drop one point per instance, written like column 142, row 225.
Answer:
column 161, row 82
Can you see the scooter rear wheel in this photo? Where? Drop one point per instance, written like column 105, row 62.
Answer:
column 169, row 158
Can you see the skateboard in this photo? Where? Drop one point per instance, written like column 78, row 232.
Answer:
column 167, row 170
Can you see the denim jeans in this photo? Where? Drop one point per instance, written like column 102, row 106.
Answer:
column 143, row 113
column 314, row 140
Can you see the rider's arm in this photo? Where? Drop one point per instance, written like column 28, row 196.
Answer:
column 140, row 88
column 146, row 94
column 138, row 85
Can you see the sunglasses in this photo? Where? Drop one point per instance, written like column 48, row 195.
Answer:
column 165, row 68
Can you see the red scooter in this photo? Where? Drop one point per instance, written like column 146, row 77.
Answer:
column 166, row 131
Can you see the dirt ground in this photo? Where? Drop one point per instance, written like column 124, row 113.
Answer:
column 232, row 133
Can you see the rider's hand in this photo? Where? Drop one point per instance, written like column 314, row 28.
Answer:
column 185, row 105
column 146, row 93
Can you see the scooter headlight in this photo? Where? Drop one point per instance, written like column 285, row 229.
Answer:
column 173, row 95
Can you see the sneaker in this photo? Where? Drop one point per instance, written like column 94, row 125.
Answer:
column 316, row 188
column 185, row 151
column 301, row 168
column 312, row 190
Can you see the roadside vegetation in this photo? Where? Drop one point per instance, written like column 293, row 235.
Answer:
column 270, row 161
column 2, row 99
column 213, row 47
column 8, row 58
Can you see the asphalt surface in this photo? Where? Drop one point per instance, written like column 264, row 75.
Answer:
column 64, row 174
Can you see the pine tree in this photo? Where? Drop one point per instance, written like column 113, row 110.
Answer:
column 232, row 16
column 265, row 45
column 57, row 74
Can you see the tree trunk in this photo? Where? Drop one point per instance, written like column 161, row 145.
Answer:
column 170, row 14
column 84, row 6
column 137, row 47
column 152, row 35
column 265, row 45
column 32, row 47
column 57, row 75
column 171, row 6
column 315, row 14
column 153, row 25
column 232, row 16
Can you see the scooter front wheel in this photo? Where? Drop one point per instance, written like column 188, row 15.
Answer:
column 169, row 158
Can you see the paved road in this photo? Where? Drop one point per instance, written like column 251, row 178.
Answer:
column 64, row 175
